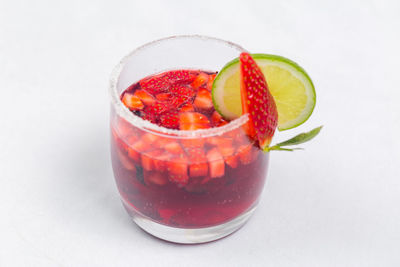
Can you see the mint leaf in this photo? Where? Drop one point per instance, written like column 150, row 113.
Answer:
column 298, row 139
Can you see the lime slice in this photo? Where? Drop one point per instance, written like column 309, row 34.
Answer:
column 289, row 84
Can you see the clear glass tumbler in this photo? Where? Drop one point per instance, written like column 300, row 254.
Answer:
column 202, row 206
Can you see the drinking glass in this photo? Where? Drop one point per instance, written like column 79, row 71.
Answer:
column 199, row 195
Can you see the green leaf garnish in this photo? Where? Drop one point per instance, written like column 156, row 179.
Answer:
column 298, row 139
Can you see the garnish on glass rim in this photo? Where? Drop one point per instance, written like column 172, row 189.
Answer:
column 273, row 90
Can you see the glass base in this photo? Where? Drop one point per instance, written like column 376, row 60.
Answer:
column 189, row 236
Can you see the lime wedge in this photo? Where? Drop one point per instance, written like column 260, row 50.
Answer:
column 289, row 84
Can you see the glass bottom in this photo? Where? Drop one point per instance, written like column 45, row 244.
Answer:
column 192, row 235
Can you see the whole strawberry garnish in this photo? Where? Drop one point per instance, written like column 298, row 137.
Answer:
column 257, row 101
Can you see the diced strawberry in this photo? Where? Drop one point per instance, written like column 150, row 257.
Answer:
column 200, row 80
column 193, row 121
column 210, row 82
column 198, row 163
column 182, row 90
column 154, row 85
column 150, row 138
column 132, row 102
column 217, row 120
column 187, row 107
column 147, row 159
column 232, row 161
column 157, row 178
column 174, row 148
column 179, row 75
column 123, row 128
column 220, row 141
column 203, row 99
column 157, row 108
column 161, row 141
column 170, row 120
column 178, row 170
column 216, row 163
column 160, row 162
column 163, row 96
column 245, row 154
column 179, row 100
column 126, row 162
column 145, row 97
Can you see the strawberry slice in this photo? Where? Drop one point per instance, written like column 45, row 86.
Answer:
column 203, row 99
column 257, row 101
column 153, row 112
column 210, row 82
column 145, row 97
column 132, row 102
column 170, row 120
column 216, row 163
column 187, row 107
column 200, row 80
column 193, row 121
column 179, row 75
column 155, row 85
column 181, row 90
column 217, row 120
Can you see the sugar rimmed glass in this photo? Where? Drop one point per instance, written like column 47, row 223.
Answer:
column 204, row 208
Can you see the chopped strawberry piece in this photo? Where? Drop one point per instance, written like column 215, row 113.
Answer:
column 245, row 154
column 232, row 161
column 210, row 82
column 187, row 107
column 147, row 159
column 220, row 141
column 203, row 99
column 124, row 128
column 145, row 97
column 132, row 102
column 150, row 138
column 193, row 121
column 217, row 120
column 198, row 163
column 156, row 178
column 178, row 170
column 157, row 109
column 179, row 101
column 160, row 162
column 182, row 90
column 200, row 80
column 126, row 162
column 163, row 96
column 216, row 163
column 155, row 85
column 174, row 148
column 170, row 120
column 179, row 75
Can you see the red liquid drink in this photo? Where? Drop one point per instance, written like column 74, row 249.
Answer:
column 190, row 182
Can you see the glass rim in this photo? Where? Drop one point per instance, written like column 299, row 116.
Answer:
column 145, row 125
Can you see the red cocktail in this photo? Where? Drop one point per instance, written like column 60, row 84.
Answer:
column 184, row 173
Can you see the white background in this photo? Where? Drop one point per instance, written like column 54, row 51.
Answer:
column 337, row 203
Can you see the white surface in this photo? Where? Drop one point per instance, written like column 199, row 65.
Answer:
column 334, row 204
